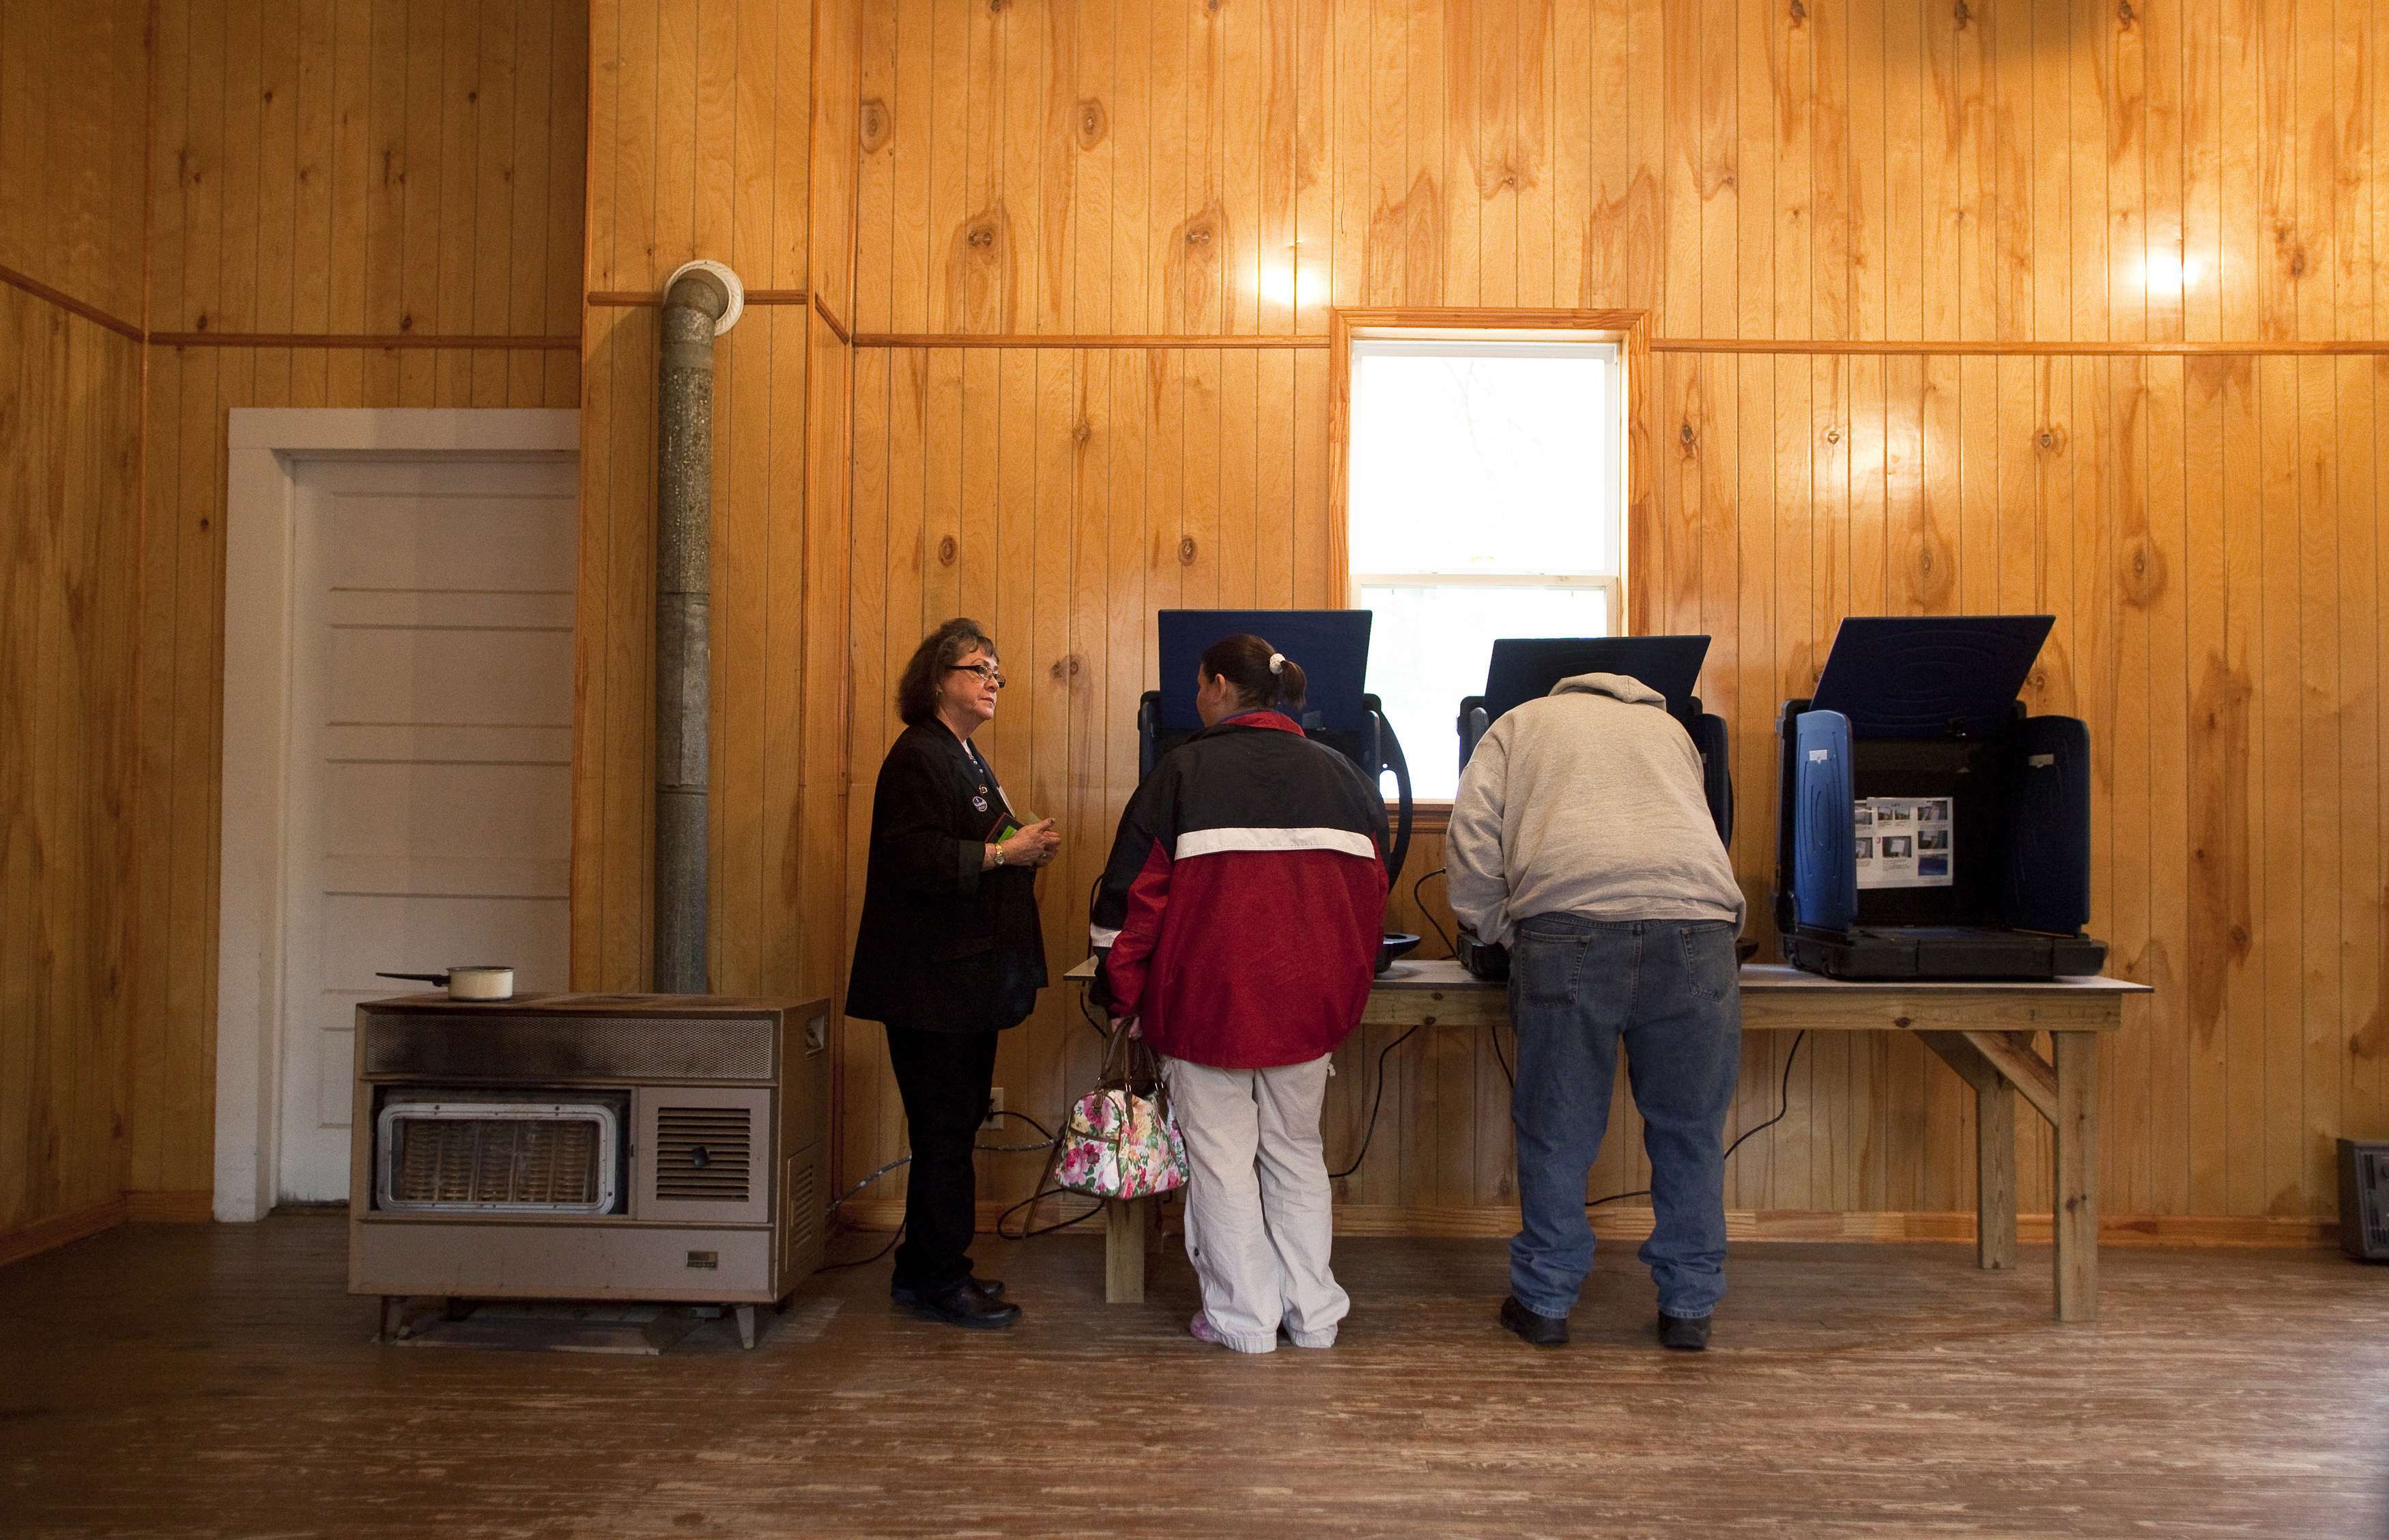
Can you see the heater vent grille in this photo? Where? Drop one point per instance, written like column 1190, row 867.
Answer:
column 2376, row 1207
column 505, row 1157
column 803, row 1213
column 704, row 1154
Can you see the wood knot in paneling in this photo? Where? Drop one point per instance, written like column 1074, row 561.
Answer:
column 978, row 276
column 1082, row 431
column 2124, row 15
column 1935, row 576
column 2050, row 440
column 1064, row 667
column 1685, row 436
column 1186, row 551
column 1193, row 264
column 1093, row 124
column 875, row 122
column 947, row 550
column 1799, row 14
column 2140, row 568
column 1832, row 435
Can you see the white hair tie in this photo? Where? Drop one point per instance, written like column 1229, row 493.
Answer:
column 1277, row 663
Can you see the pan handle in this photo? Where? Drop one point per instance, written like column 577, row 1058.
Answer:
column 438, row 980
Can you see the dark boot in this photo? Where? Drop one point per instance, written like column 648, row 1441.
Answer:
column 960, row 1305
column 904, row 1293
column 1684, row 1333
column 1538, row 1330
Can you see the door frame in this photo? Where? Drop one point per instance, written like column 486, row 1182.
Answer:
column 265, row 447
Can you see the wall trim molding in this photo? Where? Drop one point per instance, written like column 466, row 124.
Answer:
column 821, row 308
column 265, row 446
column 46, row 1235
column 616, row 298
column 1089, row 341
column 1784, row 347
column 68, row 303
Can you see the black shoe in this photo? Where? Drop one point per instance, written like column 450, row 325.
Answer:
column 904, row 1293
column 963, row 1305
column 1684, row 1333
column 1538, row 1331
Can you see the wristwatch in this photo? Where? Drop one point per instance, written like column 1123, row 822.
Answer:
column 998, row 848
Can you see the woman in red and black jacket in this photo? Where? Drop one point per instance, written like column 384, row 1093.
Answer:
column 1238, row 923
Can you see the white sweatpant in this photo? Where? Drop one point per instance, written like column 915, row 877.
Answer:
column 1259, row 1219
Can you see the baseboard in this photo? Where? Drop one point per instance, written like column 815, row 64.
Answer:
column 170, row 1208
column 1622, row 1223
column 45, row 1234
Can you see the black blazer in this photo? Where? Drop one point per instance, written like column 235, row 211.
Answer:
column 943, row 946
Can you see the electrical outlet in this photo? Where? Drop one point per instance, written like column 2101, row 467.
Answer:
column 994, row 1109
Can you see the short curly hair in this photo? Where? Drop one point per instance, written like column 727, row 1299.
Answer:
column 916, row 692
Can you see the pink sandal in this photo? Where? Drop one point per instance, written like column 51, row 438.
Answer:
column 1202, row 1331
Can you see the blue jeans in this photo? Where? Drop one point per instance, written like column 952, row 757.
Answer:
column 1669, row 989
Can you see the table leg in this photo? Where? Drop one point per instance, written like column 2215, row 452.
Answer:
column 2075, row 1197
column 1995, row 1176
column 1124, row 1228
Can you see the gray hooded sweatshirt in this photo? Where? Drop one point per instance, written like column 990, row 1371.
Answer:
column 1587, row 803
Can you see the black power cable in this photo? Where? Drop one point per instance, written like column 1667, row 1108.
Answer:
column 1374, row 1104
column 1449, row 949
column 1453, row 950
column 902, row 1160
column 1782, row 1108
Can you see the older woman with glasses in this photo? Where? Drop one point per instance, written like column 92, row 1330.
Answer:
column 949, row 955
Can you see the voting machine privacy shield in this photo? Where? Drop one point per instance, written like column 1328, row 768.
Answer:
column 1928, row 826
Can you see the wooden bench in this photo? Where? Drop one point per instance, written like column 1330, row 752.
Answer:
column 1984, row 1031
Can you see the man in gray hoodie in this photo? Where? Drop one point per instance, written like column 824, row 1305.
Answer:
column 1580, row 838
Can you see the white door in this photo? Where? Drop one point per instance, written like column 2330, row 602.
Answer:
column 430, row 769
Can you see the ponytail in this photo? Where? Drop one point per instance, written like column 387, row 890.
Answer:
column 1264, row 678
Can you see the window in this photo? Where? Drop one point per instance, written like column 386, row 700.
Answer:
column 1484, row 497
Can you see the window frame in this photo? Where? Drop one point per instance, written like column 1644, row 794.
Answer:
column 1629, row 330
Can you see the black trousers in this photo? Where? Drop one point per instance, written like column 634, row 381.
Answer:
column 946, row 1079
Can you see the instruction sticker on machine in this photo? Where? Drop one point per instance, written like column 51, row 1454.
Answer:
column 1904, row 842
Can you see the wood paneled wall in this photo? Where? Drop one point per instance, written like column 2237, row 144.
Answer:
column 74, row 89
column 2055, row 307
column 721, row 130
column 72, row 81
column 353, row 203
column 70, row 414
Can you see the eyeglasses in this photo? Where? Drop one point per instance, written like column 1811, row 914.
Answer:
column 988, row 673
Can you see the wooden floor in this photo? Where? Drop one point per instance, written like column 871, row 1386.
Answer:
column 215, row 1380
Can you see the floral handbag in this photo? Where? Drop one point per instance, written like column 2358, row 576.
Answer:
column 1121, row 1140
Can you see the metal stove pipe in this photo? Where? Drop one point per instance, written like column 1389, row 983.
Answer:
column 695, row 300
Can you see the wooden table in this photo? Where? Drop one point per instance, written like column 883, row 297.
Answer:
column 1982, row 1030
